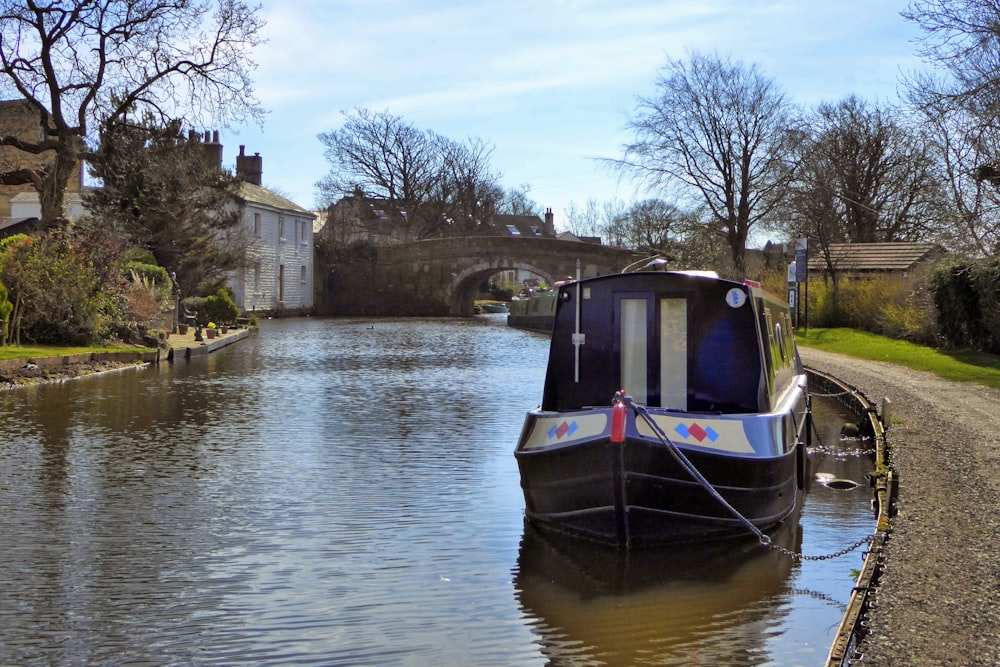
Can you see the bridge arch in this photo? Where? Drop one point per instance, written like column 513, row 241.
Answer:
column 461, row 293
column 442, row 276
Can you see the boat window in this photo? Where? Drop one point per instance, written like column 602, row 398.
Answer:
column 673, row 353
column 633, row 348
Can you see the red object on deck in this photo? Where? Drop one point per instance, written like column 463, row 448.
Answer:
column 618, row 414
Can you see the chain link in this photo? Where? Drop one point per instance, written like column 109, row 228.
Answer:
column 762, row 537
column 766, row 542
column 833, row 395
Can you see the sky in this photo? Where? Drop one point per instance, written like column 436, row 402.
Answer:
column 548, row 83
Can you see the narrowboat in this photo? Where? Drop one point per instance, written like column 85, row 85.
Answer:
column 674, row 409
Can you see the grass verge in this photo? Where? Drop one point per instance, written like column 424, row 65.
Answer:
column 952, row 365
column 35, row 351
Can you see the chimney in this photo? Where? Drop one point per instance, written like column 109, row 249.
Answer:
column 550, row 227
column 213, row 149
column 249, row 168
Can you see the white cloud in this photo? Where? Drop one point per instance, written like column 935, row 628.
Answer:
column 547, row 81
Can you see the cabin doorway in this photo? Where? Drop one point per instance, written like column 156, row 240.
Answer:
column 652, row 345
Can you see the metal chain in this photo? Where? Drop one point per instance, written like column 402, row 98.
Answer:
column 766, row 541
column 833, row 395
column 762, row 537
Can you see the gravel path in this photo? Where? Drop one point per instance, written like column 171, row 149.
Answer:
column 938, row 601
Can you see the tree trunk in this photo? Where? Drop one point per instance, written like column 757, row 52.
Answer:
column 52, row 194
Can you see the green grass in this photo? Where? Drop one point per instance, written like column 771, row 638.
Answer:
column 35, row 351
column 952, row 365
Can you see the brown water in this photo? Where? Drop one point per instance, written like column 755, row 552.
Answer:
column 328, row 493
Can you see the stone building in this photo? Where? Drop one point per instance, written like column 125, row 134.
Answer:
column 19, row 203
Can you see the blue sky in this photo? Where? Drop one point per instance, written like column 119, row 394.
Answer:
column 548, row 82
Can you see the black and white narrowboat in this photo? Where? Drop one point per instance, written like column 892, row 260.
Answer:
column 674, row 410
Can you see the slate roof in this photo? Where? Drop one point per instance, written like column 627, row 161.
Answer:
column 255, row 194
column 877, row 256
column 526, row 225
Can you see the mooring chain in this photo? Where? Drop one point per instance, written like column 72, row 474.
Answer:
column 765, row 540
column 833, row 395
column 762, row 537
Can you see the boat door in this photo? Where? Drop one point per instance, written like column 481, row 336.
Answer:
column 651, row 342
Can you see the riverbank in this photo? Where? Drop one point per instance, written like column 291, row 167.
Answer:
column 935, row 603
column 40, row 369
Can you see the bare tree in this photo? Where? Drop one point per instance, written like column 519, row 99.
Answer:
column 865, row 175
column 468, row 191
column 963, row 40
column 651, row 225
column 515, row 201
column 965, row 149
column 84, row 63
column 597, row 219
column 960, row 102
column 718, row 134
column 439, row 186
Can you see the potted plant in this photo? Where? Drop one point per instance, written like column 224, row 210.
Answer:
column 211, row 329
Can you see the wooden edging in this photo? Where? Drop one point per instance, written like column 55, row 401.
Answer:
column 885, row 483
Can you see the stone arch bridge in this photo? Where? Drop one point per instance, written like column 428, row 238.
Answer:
column 445, row 274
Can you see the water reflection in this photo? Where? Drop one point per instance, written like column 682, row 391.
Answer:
column 327, row 493
column 715, row 604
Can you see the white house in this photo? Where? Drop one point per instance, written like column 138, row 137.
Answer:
column 279, row 272
column 26, row 205
column 278, row 234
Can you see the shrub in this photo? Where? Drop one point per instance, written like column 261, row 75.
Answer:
column 967, row 296
column 887, row 305
column 60, row 299
column 148, row 274
column 220, row 307
column 6, row 307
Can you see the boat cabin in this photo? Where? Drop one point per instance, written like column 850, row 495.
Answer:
column 676, row 341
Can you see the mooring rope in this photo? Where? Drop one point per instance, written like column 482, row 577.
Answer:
column 685, row 463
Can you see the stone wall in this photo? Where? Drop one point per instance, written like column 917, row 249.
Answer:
column 18, row 118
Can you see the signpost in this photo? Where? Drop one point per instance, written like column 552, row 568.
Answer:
column 800, row 272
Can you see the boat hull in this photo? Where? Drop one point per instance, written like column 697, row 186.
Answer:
column 637, row 493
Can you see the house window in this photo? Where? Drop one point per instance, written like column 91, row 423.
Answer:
column 256, row 225
column 281, row 228
column 302, row 274
column 304, row 223
column 514, row 231
column 536, row 231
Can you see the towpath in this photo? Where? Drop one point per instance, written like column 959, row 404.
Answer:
column 937, row 600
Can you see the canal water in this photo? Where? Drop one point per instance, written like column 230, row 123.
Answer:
column 344, row 492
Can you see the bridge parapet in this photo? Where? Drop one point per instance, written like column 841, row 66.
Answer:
column 444, row 274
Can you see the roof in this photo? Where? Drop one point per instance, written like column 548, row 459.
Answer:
column 877, row 256
column 518, row 225
column 255, row 194
column 6, row 223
